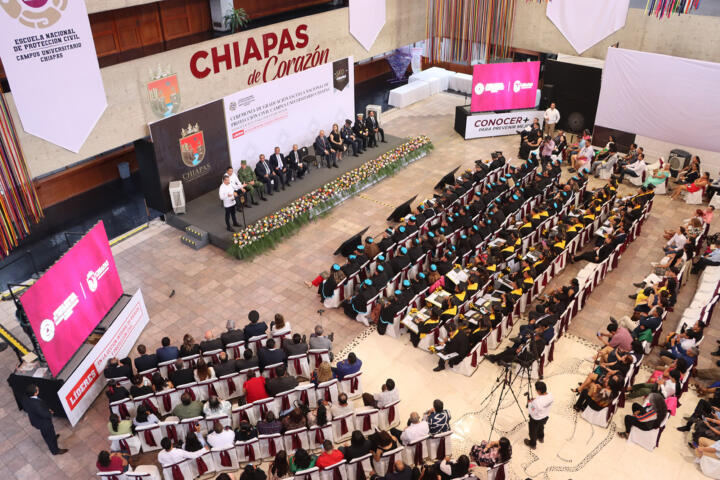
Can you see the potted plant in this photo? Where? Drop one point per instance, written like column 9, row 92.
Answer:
column 236, row 19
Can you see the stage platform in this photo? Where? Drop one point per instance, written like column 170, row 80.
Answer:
column 206, row 213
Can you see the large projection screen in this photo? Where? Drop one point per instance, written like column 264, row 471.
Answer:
column 668, row 98
column 504, row 86
column 290, row 110
column 72, row 297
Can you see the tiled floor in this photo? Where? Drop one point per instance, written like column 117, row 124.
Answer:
column 210, row 288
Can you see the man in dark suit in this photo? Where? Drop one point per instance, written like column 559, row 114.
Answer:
column 280, row 167
column 255, row 327
column 457, row 342
column 41, row 418
column 269, row 355
column 282, row 383
column 374, row 127
column 210, row 343
column 231, row 335
column 118, row 368
column 322, row 150
column 247, row 361
column 145, row 361
column 181, row 376
column 265, row 174
column 361, row 128
column 297, row 166
column 224, row 366
column 166, row 352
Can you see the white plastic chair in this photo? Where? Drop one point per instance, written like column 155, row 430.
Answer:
column 298, row 366
column 337, row 471
column 225, row 458
column 388, row 416
column 150, row 437
column 184, row 468
column 144, row 472
column 359, row 468
column 317, row 435
column 328, row 391
column 294, row 439
column 440, row 445
column 343, row 427
column 416, row 452
column 269, row 445
column 248, row 451
column 351, row 385
column 125, row 442
column 647, row 439
column 386, row 464
column 367, row 421
column 307, row 394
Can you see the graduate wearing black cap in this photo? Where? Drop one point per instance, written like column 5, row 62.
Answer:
column 327, row 288
column 400, row 261
column 358, row 304
column 386, row 241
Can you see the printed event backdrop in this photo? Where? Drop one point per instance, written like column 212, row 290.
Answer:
column 289, row 110
column 72, row 297
column 191, row 146
column 87, row 381
column 504, row 86
column 499, row 124
column 48, row 53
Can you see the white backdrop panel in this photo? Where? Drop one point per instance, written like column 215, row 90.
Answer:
column 669, row 98
column 289, row 110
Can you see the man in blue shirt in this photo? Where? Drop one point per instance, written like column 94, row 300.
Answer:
column 166, row 352
column 438, row 418
column 348, row 367
column 710, row 259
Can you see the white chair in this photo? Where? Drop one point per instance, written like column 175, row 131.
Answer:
column 124, row 408
column 284, row 401
column 150, row 437
column 694, row 198
column 601, row 417
column 144, row 472
column 166, row 367
column 269, row 445
column 307, row 395
column 440, row 445
column 235, row 349
column 248, row 451
column 294, row 439
column 169, row 429
column 256, row 342
column 647, row 439
column 187, row 425
column 203, row 463
column 416, row 452
column 386, row 464
column 212, row 356
column 317, row 356
column 126, row 442
column 225, row 458
column 388, row 416
column 298, row 366
column 342, row 427
column 328, row 391
column 309, row 474
column 260, row 409
column 351, row 385
column 167, row 400
column 366, row 421
column 240, row 413
column 337, row 471
column 229, row 386
column 190, row 361
column 497, row 472
column 662, row 188
column 336, row 298
column 114, row 475
column 710, row 467
column 359, row 468
column 470, row 363
column 209, row 421
column 317, row 435
column 270, row 371
column 180, row 470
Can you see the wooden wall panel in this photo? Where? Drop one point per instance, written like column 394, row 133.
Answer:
column 264, row 8
column 104, row 33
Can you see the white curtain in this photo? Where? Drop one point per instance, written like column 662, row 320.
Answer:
column 669, row 98
column 585, row 22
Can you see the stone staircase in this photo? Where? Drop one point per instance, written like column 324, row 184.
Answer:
column 194, row 237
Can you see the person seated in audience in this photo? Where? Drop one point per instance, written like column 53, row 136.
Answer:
column 323, row 373
column 194, row 443
column 336, row 142
column 616, row 337
column 359, row 446
column 605, row 160
column 215, row 407
column 278, row 324
column 388, row 394
column 167, row 352
column 677, row 242
column 181, row 375
column 329, row 456
column 416, row 429
column 646, row 417
column 489, row 454
column 348, row 366
column 634, row 169
column 707, row 447
column 583, row 157
column 159, row 383
column 667, row 386
column 279, row 468
column 689, row 173
column 342, row 407
column 318, row 341
column 116, row 392
column 321, row 416
column 119, row 427
column 140, row 387
column 690, row 355
column 600, row 393
column 169, row 455
column 231, row 335
column 710, row 259
column 280, row 167
column 597, row 254
column 269, row 425
column 270, row 355
column 382, row 442
column 224, row 366
column 658, row 177
column 358, row 303
column 188, row 408
column 189, row 347
column 255, row 327
column 112, row 462
column 281, row 383
column 302, row 460
column 145, row 361
column 697, row 185
column 248, row 360
column 400, row 471
column 705, row 408
column 371, row 249
column 457, row 342
column 448, row 470
column 295, row 345
column 438, row 418
column 250, row 472
column 295, row 419
column 203, row 371
column 210, row 344
column 254, row 388
column 221, row 437
column 118, row 368
column 265, row 174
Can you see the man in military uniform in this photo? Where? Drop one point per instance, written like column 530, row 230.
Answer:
column 252, row 185
column 349, row 138
column 361, row 131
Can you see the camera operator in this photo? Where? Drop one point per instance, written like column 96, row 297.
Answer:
column 524, row 351
column 538, row 410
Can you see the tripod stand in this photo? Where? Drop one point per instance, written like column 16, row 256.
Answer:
column 505, row 383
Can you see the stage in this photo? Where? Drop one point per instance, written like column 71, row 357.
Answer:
column 206, row 213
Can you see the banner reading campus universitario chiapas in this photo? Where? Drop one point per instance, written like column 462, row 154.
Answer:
column 48, row 53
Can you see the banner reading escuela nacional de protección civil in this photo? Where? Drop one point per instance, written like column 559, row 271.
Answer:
column 48, row 53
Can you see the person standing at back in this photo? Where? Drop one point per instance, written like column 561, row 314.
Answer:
column 539, row 411
column 552, row 117
column 41, row 418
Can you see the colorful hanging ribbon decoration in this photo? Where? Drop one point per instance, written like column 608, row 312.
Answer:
column 665, row 8
column 466, row 31
column 19, row 204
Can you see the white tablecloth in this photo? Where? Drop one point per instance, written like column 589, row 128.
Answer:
column 408, row 94
column 461, row 82
column 434, row 75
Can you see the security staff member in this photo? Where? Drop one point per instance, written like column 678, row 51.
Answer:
column 227, row 195
column 41, row 418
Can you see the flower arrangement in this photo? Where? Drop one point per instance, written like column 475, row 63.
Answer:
column 268, row 231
